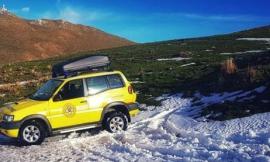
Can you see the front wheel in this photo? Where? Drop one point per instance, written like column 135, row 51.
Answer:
column 32, row 133
column 116, row 122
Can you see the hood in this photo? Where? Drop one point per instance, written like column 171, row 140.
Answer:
column 16, row 106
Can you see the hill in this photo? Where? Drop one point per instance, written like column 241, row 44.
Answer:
column 223, row 64
column 25, row 40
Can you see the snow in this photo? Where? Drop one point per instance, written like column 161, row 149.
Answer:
column 244, row 52
column 137, row 82
column 173, row 59
column 256, row 39
column 260, row 89
column 208, row 50
column 192, row 63
column 161, row 133
column 39, row 22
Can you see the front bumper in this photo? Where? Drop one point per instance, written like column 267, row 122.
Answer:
column 10, row 129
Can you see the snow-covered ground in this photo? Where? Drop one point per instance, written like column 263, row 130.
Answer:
column 163, row 133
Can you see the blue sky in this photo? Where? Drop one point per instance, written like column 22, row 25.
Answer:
column 151, row 20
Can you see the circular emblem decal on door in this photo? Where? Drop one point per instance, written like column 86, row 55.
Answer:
column 69, row 110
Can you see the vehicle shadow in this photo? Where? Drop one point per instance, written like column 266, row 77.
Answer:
column 83, row 133
column 6, row 141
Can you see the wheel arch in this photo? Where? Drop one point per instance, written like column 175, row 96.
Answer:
column 40, row 118
column 116, row 106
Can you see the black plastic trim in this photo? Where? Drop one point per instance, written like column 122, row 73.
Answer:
column 58, row 130
column 129, row 107
column 17, row 124
column 107, row 108
column 10, row 125
column 133, row 106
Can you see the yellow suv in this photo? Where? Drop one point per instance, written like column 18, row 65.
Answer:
column 61, row 105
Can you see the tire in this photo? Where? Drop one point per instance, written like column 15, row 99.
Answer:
column 32, row 133
column 115, row 122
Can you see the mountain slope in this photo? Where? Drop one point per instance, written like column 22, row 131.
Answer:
column 260, row 32
column 24, row 40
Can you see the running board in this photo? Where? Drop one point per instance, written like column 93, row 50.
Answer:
column 74, row 129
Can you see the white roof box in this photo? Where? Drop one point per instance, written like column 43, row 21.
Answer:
column 73, row 67
column 87, row 63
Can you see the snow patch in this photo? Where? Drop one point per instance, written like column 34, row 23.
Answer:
column 137, row 82
column 260, row 89
column 173, row 59
column 193, row 63
column 256, row 39
column 39, row 22
column 245, row 52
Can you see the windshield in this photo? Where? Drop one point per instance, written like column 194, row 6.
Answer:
column 47, row 90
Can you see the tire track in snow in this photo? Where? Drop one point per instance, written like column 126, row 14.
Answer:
column 154, row 137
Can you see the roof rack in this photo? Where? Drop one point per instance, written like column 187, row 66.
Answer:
column 77, row 66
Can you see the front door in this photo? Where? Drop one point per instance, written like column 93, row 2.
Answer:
column 68, row 106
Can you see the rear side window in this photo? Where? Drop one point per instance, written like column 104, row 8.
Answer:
column 115, row 81
column 96, row 84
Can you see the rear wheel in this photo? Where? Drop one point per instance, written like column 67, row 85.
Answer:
column 32, row 133
column 116, row 122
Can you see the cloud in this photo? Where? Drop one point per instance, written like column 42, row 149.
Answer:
column 90, row 16
column 25, row 9
column 78, row 15
column 220, row 17
column 214, row 17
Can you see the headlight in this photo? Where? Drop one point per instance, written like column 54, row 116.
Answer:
column 8, row 118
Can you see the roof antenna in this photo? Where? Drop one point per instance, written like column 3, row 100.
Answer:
column 3, row 9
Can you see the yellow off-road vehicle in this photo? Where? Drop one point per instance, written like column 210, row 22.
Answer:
column 70, row 102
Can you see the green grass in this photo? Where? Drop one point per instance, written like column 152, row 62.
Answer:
column 139, row 63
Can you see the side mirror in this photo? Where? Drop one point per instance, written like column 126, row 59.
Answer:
column 57, row 97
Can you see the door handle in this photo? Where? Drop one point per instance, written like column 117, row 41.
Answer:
column 117, row 96
column 84, row 101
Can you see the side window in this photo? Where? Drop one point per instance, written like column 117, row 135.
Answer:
column 115, row 81
column 72, row 89
column 96, row 84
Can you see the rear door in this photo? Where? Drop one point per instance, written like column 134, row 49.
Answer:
column 117, row 86
column 97, row 96
column 103, row 90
